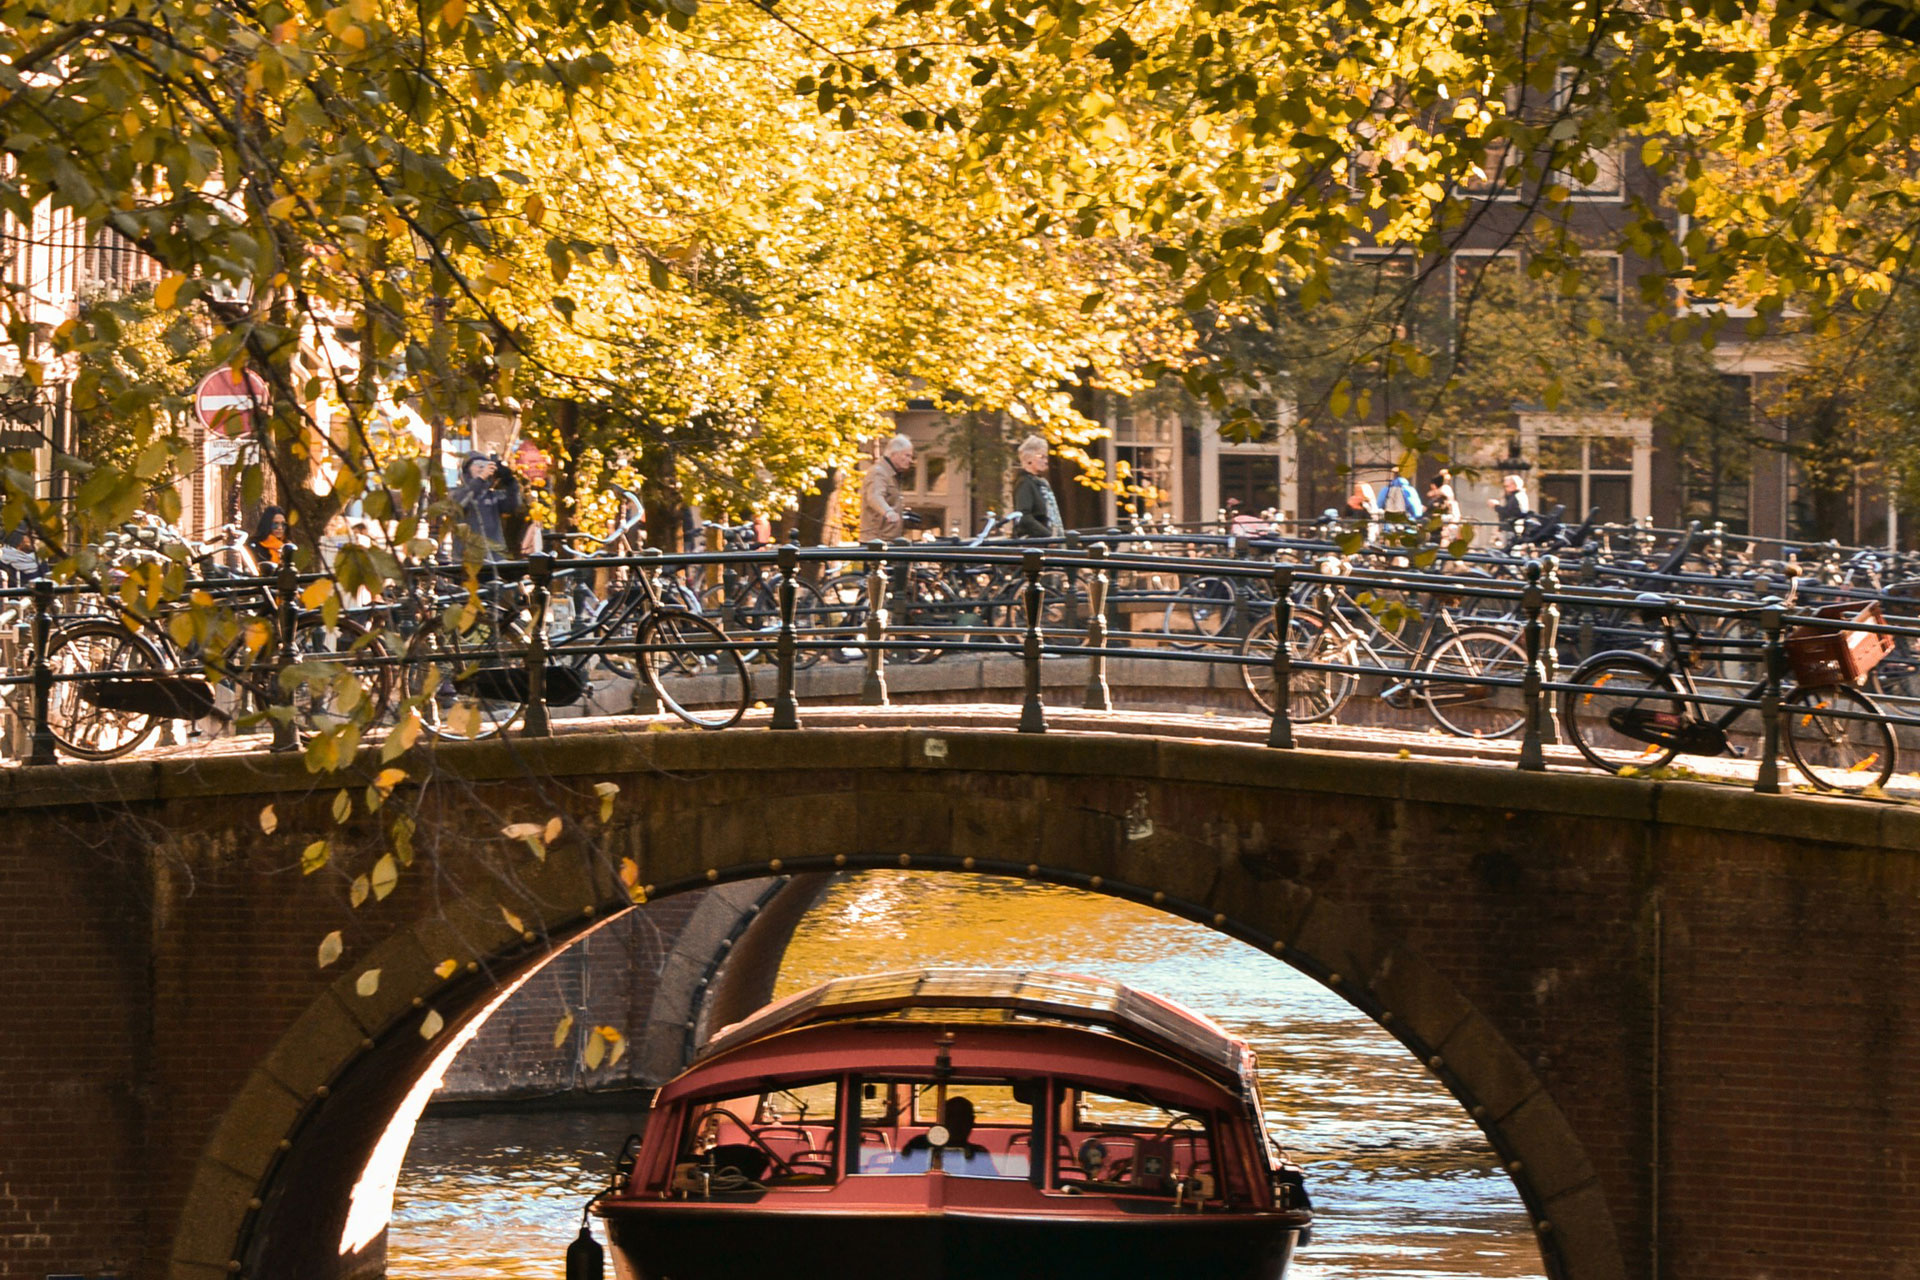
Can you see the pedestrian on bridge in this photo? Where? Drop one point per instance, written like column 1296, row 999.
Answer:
column 882, row 518
column 488, row 495
column 1033, row 499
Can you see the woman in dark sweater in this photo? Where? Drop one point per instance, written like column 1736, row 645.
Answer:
column 1033, row 499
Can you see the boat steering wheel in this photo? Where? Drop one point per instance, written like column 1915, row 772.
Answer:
column 1167, row 1130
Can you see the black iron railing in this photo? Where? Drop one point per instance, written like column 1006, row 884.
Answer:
column 1486, row 656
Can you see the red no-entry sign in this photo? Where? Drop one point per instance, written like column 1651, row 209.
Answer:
column 228, row 402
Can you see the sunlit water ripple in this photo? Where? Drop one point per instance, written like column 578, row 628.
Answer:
column 1405, row 1187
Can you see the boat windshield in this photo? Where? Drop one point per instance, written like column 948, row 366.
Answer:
column 1101, row 1141
column 1133, row 1145
column 789, row 1136
column 989, row 1126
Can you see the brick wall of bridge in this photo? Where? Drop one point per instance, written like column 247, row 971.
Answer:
column 1682, row 1012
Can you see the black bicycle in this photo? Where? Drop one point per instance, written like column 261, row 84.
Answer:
column 1635, row 712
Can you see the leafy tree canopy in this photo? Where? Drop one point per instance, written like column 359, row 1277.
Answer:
column 721, row 243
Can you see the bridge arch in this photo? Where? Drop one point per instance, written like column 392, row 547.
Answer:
column 276, row 1188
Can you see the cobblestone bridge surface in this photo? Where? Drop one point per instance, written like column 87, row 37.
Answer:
column 1680, row 1011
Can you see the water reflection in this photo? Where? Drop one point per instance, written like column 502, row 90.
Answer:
column 1406, row 1186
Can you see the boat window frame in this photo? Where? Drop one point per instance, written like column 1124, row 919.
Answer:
column 1224, row 1144
column 691, row 1107
column 914, row 1080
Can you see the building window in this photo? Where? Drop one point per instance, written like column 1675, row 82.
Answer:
column 923, row 488
column 1143, row 450
column 1717, row 458
column 1471, row 281
column 1598, row 174
column 1604, row 277
column 1251, row 480
column 1373, row 457
column 1581, row 473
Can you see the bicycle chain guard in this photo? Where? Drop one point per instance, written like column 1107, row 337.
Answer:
column 1685, row 734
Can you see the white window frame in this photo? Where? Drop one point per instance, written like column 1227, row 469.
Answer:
column 1535, row 427
column 1283, row 449
column 1453, row 272
column 1611, row 160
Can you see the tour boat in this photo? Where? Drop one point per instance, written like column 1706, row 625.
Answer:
column 960, row 1124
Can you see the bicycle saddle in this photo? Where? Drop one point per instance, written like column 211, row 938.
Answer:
column 1653, row 606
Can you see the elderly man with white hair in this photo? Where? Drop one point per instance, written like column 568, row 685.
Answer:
column 882, row 517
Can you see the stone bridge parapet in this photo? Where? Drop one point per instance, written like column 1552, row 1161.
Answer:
column 1680, row 1012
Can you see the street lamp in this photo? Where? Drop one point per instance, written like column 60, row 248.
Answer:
column 1513, row 464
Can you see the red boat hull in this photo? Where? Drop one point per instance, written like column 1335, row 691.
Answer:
column 703, row 1242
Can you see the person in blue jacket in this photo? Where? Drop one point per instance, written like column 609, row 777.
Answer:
column 1399, row 496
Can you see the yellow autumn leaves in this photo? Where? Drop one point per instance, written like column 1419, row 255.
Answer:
column 604, row 1045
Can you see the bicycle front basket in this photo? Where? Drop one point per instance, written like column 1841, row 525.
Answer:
column 1837, row 655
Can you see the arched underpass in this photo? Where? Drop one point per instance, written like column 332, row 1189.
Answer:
column 1619, row 980
column 1403, row 1178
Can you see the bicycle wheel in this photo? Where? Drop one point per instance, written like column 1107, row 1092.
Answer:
column 755, row 615
column 1629, row 692
column 340, row 671
column 467, row 669
column 1312, row 695
column 929, row 603
column 79, row 712
column 1836, row 753
column 1471, row 710
column 351, row 679
column 1199, row 614
column 843, row 609
column 697, row 676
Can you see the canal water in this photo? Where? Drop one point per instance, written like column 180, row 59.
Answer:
column 1404, row 1186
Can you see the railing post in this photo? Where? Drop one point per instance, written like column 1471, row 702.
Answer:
column 786, row 713
column 873, row 690
column 1549, row 646
column 279, row 697
column 641, row 699
column 538, row 723
column 43, row 751
column 1099, row 696
column 1589, row 574
column 1532, row 601
column 1239, row 607
column 1280, row 733
column 1033, row 715
column 1768, row 780
column 1114, row 622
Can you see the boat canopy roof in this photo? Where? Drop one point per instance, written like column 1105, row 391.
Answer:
column 985, row 996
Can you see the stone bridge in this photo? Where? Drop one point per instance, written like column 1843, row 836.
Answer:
column 1682, row 1013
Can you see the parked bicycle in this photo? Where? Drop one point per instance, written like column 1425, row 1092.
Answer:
column 1455, row 672
column 468, row 666
column 1639, row 710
